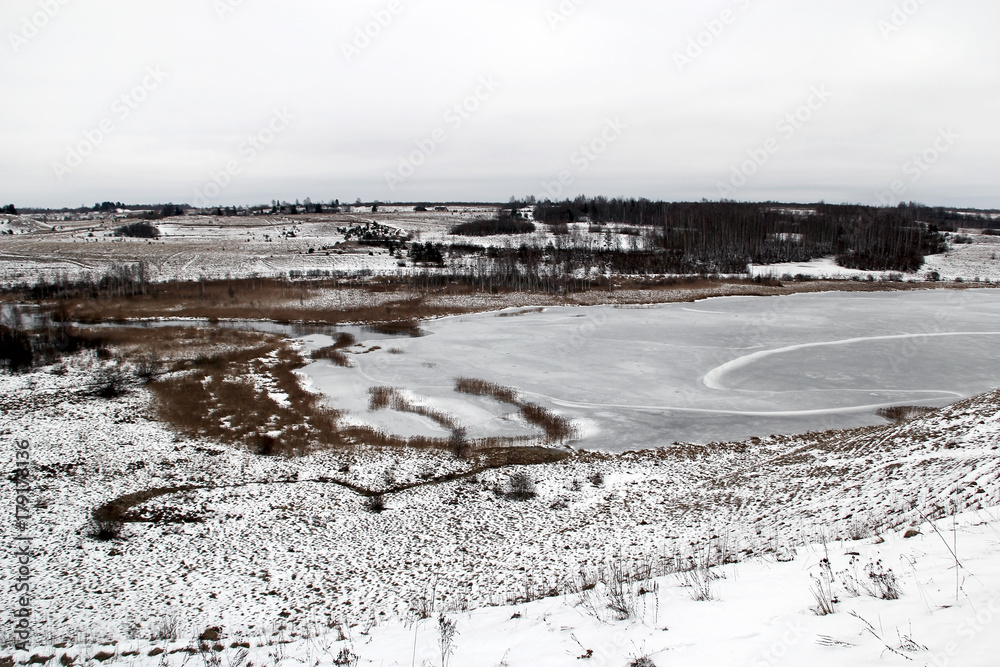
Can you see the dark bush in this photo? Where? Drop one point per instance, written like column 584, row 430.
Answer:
column 494, row 227
column 138, row 230
column 110, row 382
column 104, row 529
column 427, row 253
column 521, row 486
column 375, row 504
column 16, row 353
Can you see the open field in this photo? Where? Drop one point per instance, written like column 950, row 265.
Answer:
column 209, row 247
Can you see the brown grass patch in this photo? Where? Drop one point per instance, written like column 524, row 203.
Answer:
column 518, row 313
column 397, row 328
column 478, row 387
column 262, row 299
column 217, row 401
column 556, row 428
column 383, row 398
column 335, row 352
column 902, row 413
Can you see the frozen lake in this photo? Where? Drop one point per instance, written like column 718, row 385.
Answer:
column 721, row 369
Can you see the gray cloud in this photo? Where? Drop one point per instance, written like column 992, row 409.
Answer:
column 702, row 86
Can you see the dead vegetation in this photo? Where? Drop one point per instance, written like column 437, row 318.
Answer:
column 523, row 311
column 232, row 397
column 409, row 328
column 902, row 413
column 556, row 428
column 383, row 398
column 335, row 352
column 478, row 387
column 400, row 301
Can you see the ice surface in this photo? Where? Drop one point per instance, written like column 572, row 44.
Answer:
column 721, row 369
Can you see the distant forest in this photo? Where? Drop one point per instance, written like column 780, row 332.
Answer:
column 725, row 237
column 640, row 236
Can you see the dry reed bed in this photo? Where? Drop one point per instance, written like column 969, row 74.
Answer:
column 557, row 429
column 386, row 299
column 335, row 352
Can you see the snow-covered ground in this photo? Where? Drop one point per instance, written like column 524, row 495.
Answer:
column 275, row 548
column 760, row 612
column 719, row 369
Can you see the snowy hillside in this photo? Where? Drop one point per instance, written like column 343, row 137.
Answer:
column 270, row 548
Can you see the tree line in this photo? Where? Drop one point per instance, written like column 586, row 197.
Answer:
column 727, row 236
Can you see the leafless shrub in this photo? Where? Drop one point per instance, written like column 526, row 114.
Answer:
column 880, row 582
column 148, row 367
column 105, row 531
column 699, row 580
column 375, row 503
column 858, row 530
column 642, row 661
column 346, row 658
column 849, row 579
column 446, row 638
column 822, row 589
column 521, row 486
column 621, row 592
column 165, row 628
column 110, row 381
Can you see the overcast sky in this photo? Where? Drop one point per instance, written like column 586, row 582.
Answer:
column 231, row 101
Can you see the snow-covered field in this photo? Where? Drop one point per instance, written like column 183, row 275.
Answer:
column 197, row 247
column 719, row 369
